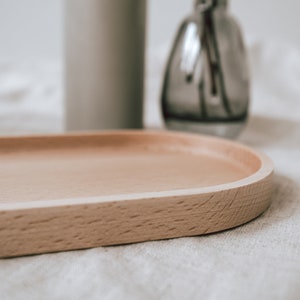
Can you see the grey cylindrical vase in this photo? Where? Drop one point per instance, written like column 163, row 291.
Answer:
column 104, row 63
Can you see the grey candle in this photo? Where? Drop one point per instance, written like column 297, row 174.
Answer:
column 104, row 63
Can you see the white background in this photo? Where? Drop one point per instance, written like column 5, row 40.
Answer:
column 34, row 28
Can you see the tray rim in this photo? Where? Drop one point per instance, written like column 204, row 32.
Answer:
column 266, row 169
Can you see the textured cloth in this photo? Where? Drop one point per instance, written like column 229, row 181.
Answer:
column 259, row 260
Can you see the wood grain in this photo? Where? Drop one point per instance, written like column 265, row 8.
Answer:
column 87, row 190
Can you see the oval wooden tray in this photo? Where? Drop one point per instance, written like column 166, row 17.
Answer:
column 79, row 191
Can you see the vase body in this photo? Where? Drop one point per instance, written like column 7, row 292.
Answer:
column 206, row 87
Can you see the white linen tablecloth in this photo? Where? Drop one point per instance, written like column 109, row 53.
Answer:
column 259, row 260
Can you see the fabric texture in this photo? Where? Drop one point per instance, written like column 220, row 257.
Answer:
column 259, row 260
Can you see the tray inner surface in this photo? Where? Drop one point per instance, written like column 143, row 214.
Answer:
column 63, row 173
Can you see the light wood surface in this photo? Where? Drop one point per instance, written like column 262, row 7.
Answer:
column 95, row 189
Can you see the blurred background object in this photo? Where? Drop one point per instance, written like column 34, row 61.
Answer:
column 31, row 54
column 104, row 63
column 206, row 86
column 268, row 26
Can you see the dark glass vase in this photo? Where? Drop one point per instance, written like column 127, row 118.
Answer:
column 206, row 86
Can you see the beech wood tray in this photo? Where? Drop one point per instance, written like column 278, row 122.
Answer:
column 80, row 191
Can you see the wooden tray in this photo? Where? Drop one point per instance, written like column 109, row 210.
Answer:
column 80, row 191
